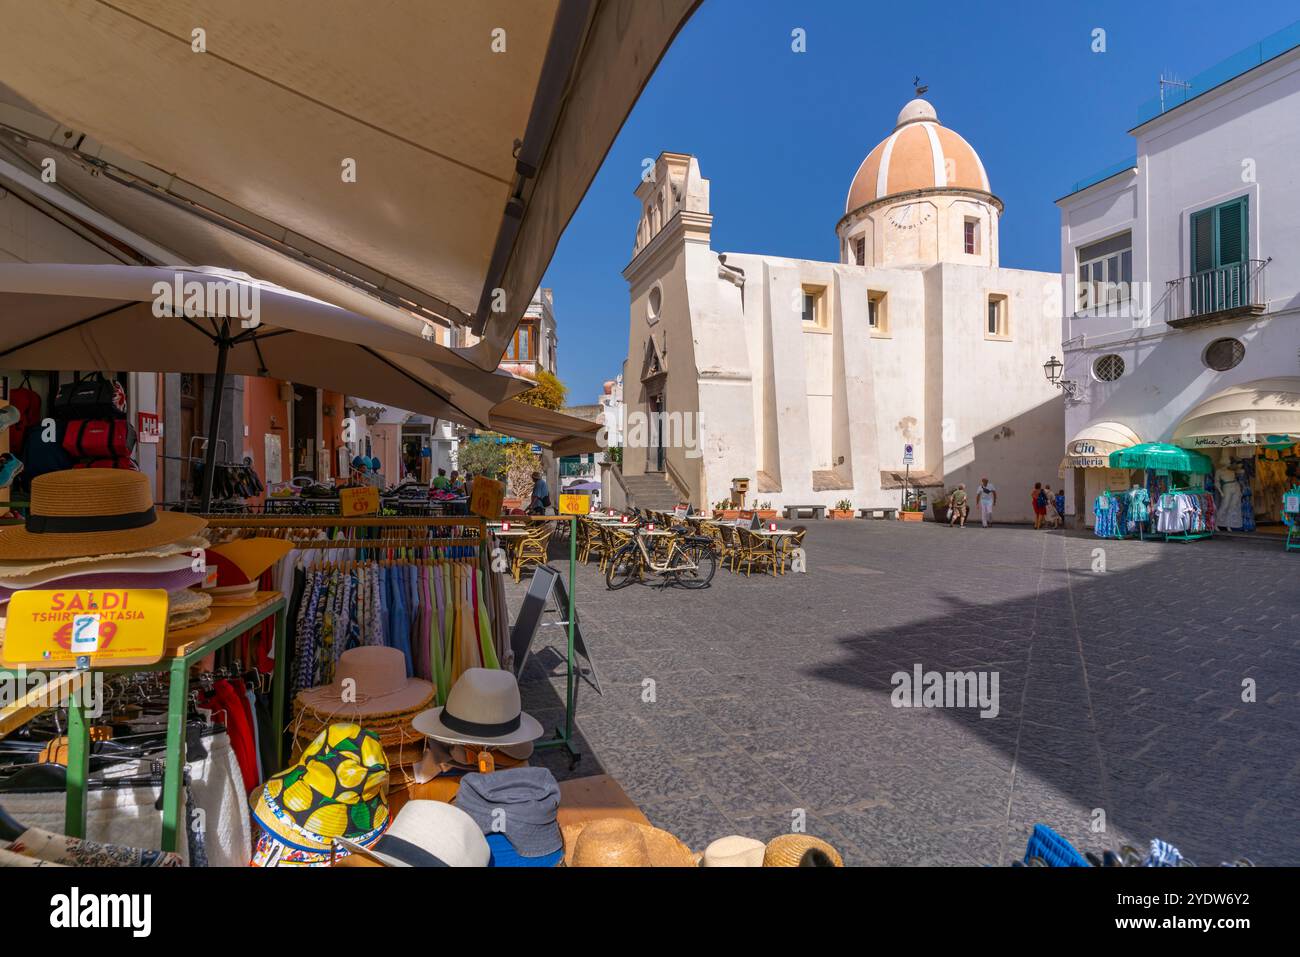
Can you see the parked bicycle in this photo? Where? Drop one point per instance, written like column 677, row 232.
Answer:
column 688, row 560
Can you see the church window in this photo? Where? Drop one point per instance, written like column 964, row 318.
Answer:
column 814, row 306
column 997, row 325
column 860, row 251
column 877, row 313
column 972, row 236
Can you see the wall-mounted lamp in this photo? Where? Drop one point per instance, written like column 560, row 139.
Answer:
column 1052, row 369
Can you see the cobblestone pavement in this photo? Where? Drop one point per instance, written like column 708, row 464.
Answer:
column 1121, row 694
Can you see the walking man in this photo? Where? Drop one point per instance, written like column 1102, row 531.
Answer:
column 957, row 507
column 986, row 496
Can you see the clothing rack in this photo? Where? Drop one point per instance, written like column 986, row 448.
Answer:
column 1188, row 536
column 473, row 529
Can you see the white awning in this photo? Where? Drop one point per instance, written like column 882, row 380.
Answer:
column 430, row 151
column 1091, row 446
column 1261, row 412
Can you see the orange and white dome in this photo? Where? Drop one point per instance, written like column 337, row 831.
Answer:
column 919, row 154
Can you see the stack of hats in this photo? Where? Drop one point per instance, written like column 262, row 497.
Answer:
column 337, row 791
column 423, row 834
column 240, row 564
column 516, row 811
column 98, row 528
column 371, row 689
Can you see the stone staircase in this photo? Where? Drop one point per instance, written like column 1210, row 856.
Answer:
column 652, row 491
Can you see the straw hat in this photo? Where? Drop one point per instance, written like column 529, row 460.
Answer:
column 788, row 850
column 733, row 851
column 618, row 842
column 483, row 707
column 370, row 682
column 93, row 512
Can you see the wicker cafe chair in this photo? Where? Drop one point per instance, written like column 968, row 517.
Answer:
column 532, row 547
column 754, row 550
column 731, row 546
column 597, row 542
column 613, row 537
column 788, row 544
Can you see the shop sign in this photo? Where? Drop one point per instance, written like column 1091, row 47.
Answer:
column 574, row 504
column 111, row 628
column 148, row 427
column 487, row 498
column 1226, row 441
column 363, row 500
column 1083, row 462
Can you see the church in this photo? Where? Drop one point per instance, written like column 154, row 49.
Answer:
column 811, row 380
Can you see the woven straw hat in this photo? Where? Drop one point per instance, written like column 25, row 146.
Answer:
column 618, row 842
column 733, row 851
column 788, row 850
column 93, row 512
column 370, row 682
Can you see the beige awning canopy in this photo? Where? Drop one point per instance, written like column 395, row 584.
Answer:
column 565, row 434
column 428, row 152
column 1261, row 412
column 1091, row 446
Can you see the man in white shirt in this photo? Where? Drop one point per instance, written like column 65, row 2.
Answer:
column 986, row 496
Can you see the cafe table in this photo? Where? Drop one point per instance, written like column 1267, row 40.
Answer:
column 774, row 537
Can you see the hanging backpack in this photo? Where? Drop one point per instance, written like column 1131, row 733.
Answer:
column 98, row 438
column 40, row 457
column 28, row 403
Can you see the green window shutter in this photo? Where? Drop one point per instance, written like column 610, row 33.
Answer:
column 1232, row 233
column 1203, row 240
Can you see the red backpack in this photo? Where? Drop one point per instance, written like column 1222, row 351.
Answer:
column 28, row 403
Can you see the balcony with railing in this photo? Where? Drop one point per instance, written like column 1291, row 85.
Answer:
column 1218, row 295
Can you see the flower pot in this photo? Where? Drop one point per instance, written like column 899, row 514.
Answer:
column 840, row 514
column 728, row 514
column 911, row 516
column 766, row 514
column 940, row 512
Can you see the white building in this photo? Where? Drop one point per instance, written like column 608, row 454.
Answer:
column 1181, row 273
column 810, row 378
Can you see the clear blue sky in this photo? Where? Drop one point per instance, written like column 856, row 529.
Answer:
column 780, row 134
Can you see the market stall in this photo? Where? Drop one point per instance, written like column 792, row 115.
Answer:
column 1169, row 494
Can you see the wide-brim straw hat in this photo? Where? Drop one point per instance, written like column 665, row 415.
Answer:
column 618, row 842
column 788, row 850
column 370, row 683
column 79, row 512
column 483, row 707
column 16, row 573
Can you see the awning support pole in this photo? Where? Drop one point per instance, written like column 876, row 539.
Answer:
column 214, row 421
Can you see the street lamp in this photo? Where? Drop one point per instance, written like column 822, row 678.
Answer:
column 1052, row 368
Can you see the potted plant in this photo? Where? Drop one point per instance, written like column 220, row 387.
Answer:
column 913, row 511
column 843, row 510
column 940, row 508
column 723, row 510
column 765, row 512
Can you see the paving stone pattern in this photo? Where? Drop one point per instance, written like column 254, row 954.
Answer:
column 1120, row 692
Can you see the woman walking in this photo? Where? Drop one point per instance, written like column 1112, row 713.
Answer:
column 1038, row 498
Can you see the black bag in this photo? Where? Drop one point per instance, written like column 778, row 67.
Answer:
column 93, row 397
column 40, row 457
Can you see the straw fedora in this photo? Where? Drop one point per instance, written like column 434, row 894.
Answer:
column 81, row 512
column 733, row 851
column 370, row 681
column 483, row 707
column 427, row 834
column 788, row 850
column 618, row 842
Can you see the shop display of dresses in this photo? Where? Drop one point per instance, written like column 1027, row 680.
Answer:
column 1185, row 513
column 1110, row 512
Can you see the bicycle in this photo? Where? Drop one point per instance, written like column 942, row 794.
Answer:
column 691, row 562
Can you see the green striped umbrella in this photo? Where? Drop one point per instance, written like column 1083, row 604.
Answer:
column 1157, row 455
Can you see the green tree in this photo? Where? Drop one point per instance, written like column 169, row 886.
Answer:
column 548, row 393
column 483, row 455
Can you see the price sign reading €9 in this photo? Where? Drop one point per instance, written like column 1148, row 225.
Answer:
column 111, row 628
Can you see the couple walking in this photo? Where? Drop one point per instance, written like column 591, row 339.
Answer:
column 1042, row 499
column 986, row 496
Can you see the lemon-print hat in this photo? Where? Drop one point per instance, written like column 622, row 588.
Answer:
column 338, row 788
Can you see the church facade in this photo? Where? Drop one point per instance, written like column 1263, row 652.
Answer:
column 810, row 379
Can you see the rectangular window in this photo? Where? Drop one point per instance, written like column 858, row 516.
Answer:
column 1220, row 253
column 997, row 323
column 814, row 305
column 860, row 251
column 1105, row 272
column 877, row 313
column 972, row 237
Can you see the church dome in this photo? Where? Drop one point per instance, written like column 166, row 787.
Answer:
column 921, row 153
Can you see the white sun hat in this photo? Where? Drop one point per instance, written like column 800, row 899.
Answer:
column 483, row 708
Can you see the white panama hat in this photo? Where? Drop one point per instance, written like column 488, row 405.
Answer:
column 428, row 834
column 483, row 708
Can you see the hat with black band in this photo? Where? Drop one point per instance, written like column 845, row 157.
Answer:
column 81, row 512
column 483, row 708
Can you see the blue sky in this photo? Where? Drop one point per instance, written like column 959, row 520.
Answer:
column 780, row 134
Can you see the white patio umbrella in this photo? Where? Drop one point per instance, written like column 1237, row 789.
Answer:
column 60, row 316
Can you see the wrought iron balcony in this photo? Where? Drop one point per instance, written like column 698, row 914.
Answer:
column 1218, row 295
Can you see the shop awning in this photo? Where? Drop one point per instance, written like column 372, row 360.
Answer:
column 1157, row 455
column 1262, row 412
column 565, row 434
column 1091, row 446
column 428, row 151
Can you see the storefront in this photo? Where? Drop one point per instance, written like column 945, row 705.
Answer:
column 1087, row 465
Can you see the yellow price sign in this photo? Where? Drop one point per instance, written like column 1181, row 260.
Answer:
column 487, row 497
column 359, row 500
column 575, row 504
column 112, row 627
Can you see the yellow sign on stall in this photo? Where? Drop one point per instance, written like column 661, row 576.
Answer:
column 359, row 500
column 575, row 504
column 487, row 498
column 111, row 627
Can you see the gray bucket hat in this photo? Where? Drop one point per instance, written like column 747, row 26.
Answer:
column 519, row 803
